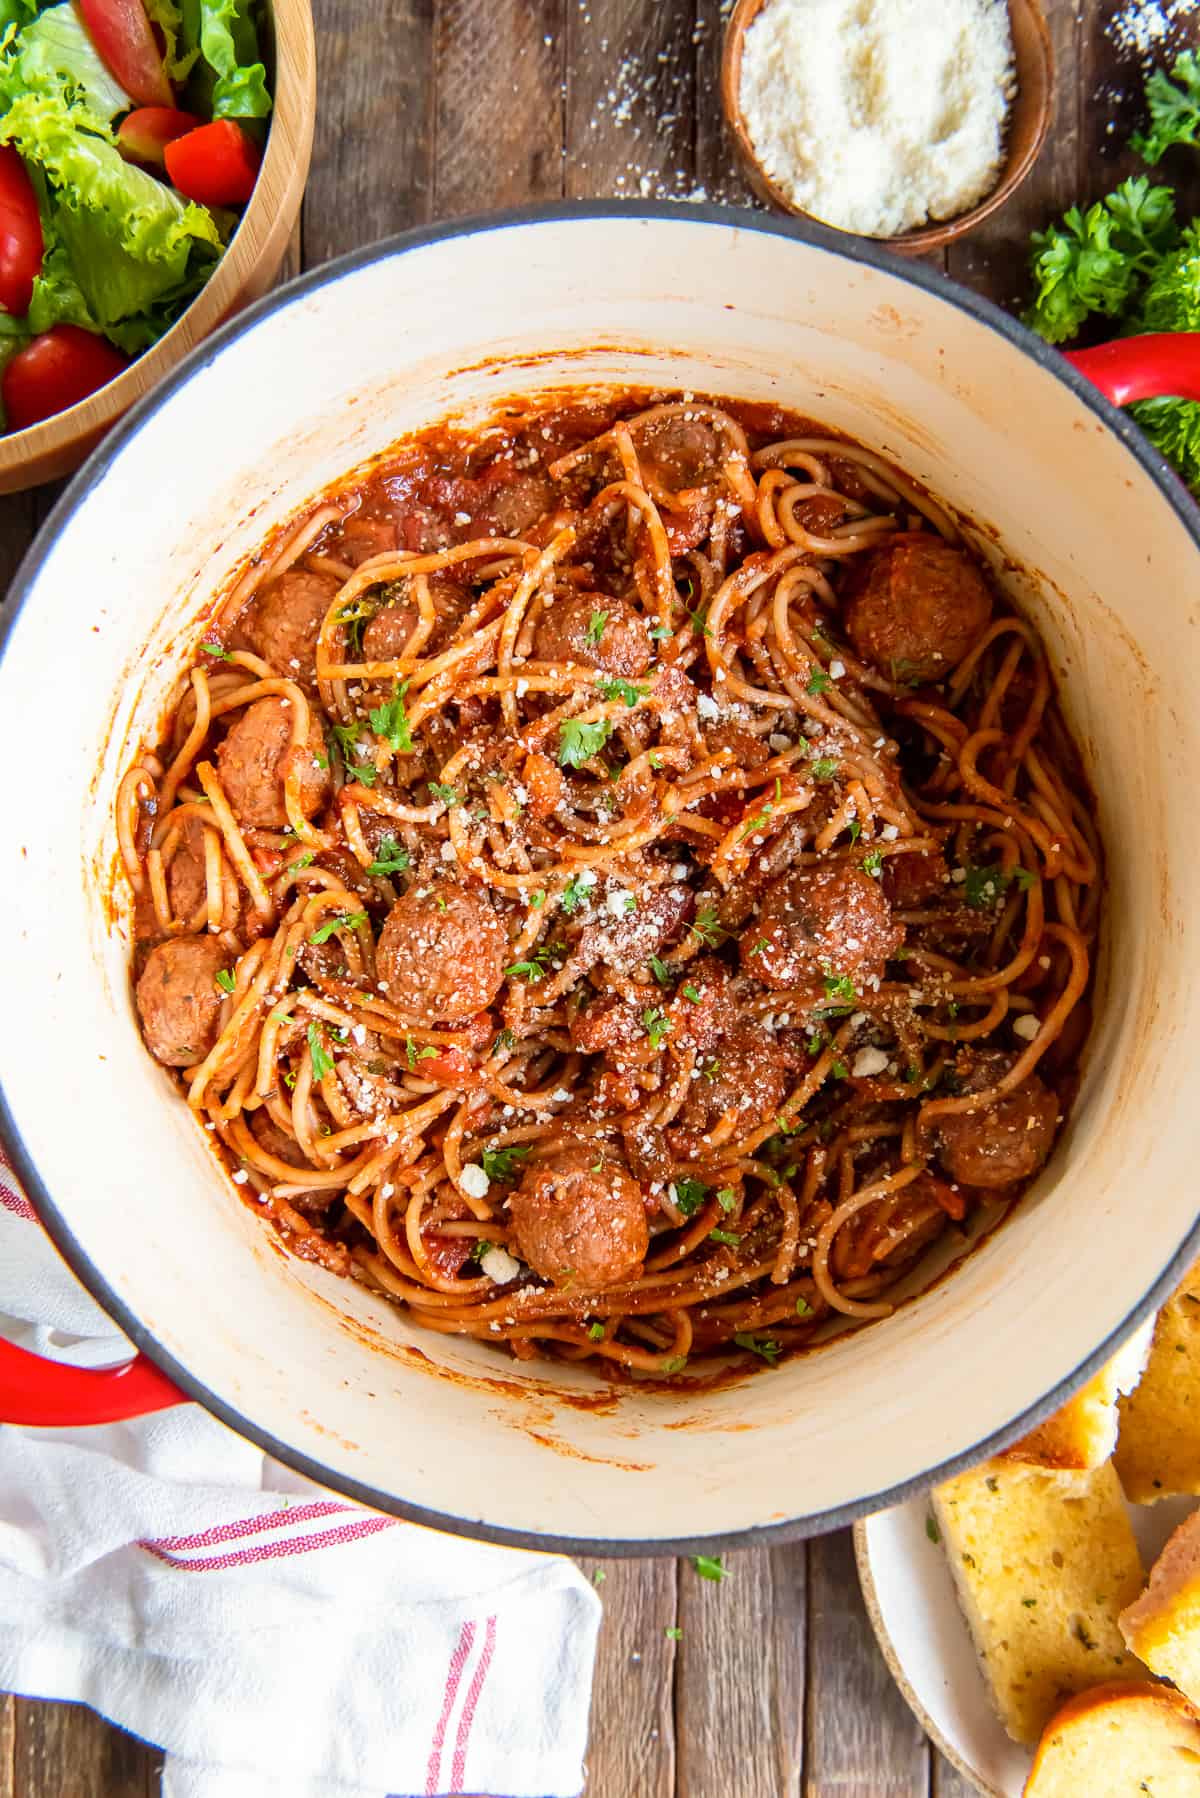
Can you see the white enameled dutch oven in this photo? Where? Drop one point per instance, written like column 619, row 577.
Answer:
column 1099, row 543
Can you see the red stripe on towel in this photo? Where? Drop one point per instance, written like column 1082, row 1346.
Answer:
column 249, row 1526
column 278, row 1550
column 454, row 1673
column 458, row 1770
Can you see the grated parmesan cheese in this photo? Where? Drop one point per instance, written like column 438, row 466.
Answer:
column 879, row 115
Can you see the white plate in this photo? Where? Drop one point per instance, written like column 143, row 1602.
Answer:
column 909, row 1594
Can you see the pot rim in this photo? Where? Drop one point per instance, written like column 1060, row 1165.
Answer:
column 79, row 490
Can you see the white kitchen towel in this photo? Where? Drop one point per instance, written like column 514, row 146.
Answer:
column 275, row 1641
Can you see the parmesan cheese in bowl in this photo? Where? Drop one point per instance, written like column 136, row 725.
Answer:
column 886, row 117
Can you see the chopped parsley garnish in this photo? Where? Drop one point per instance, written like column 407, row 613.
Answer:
column 727, row 1198
column 355, row 755
column 655, row 760
column 675, row 1364
column 390, row 720
column 479, row 1248
column 225, row 980
column 531, row 969
column 872, row 863
column 839, row 1070
column 932, row 1530
column 656, row 1025
column 689, row 1196
column 354, row 616
column 447, row 795
column 855, row 830
column 501, row 1164
column 301, row 862
column 660, row 970
column 612, row 688
column 724, row 1236
column 673, row 1633
column 840, row 989
column 537, row 900
column 698, row 618
column 504, row 1040
column 390, row 858
column 764, row 1346
column 985, row 887
column 348, row 920
column 761, row 944
column 710, row 1567
column 824, row 768
column 218, row 651
column 322, row 1060
column 595, row 627
column 413, row 1053
column 692, row 993
column 706, row 926
column 817, row 1040
column 818, row 682
column 579, row 742
column 574, row 893
column 755, row 823
column 596, row 1332
column 803, row 1308
column 660, row 632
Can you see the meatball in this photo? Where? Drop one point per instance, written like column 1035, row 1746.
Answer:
column 913, row 880
column 1004, row 1142
column 819, row 924
column 626, row 942
column 511, row 507
column 680, row 454
column 597, row 631
column 254, row 762
column 916, row 606
column 281, row 624
column 187, row 883
column 580, row 1226
column 178, row 998
column 608, row 1024
column 747, row 1074
column 386, row 636
column 275, row 1141
column 704, row 1008
column 441, row 957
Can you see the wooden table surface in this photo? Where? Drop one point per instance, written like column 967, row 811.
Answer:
column 429, row 108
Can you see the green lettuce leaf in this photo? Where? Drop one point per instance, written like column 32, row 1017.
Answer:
column 55, row 55
column 227, row 37
column 167, row 16
column 128, row 244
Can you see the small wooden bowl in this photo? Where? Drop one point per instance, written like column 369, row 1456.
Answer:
column 1029, row 121
column 245, row 271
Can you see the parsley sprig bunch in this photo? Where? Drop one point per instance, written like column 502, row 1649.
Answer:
column 1129, row 259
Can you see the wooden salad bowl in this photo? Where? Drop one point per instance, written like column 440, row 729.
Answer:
column 246, row 270
column 1029, row 121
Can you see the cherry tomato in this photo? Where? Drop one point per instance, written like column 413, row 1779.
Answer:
column 125, row 44
column 144, row 135
column 21, row 242
column 216, row 165
column 57, row 370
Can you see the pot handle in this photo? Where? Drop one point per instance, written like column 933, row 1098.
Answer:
column 50, row 1394
column 1158, row 365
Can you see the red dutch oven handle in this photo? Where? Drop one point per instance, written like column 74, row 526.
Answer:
column 1159, row 365
column 36, row 1391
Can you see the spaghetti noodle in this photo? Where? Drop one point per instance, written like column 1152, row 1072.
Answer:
column 618, row 882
